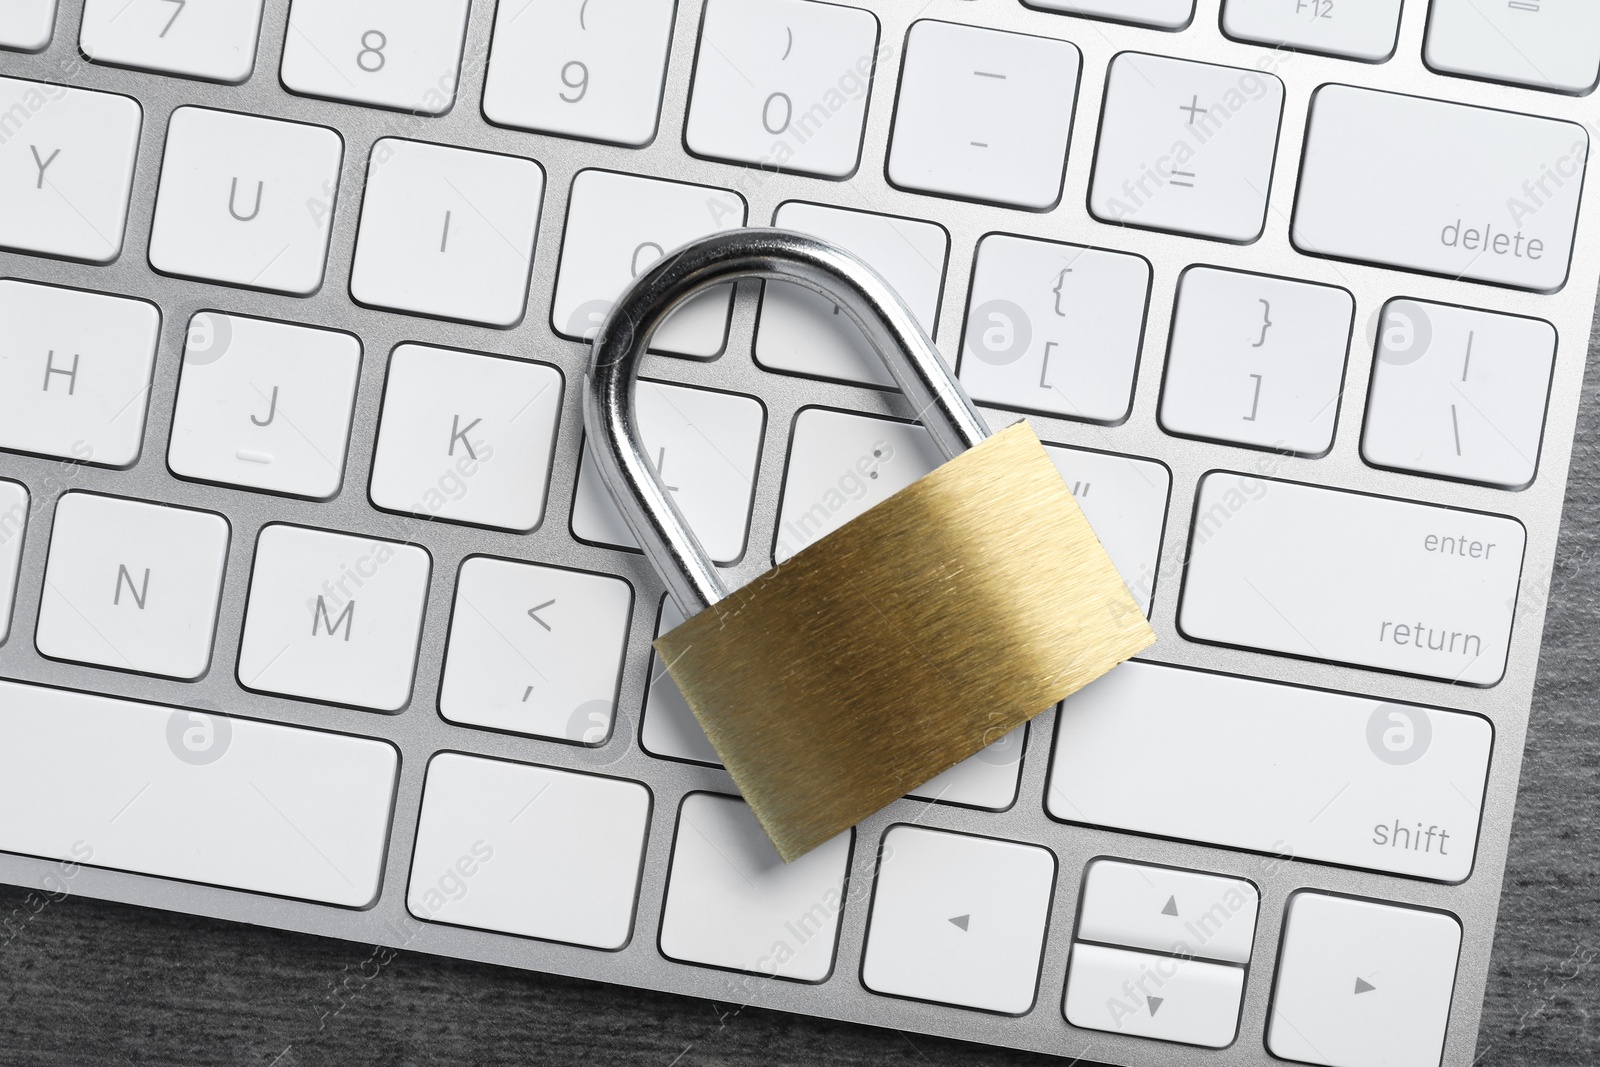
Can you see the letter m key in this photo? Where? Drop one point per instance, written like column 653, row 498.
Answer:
column 320, row 618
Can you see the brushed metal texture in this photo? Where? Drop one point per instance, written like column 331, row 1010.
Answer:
column 905, row 641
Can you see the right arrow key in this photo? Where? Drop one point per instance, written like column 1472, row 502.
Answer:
column 1362, row 983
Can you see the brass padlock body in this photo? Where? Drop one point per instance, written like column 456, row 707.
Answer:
column 905, row 641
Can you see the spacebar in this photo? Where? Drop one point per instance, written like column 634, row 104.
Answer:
column 1273, row 768
column 194, row 795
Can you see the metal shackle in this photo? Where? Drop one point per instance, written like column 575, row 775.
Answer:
column 780, row 255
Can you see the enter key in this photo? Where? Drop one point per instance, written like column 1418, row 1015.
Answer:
column 1350, row 578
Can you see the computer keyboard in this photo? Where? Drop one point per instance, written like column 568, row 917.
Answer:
column 314, row 614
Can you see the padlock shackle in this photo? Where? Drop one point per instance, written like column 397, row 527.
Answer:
column 624, row 338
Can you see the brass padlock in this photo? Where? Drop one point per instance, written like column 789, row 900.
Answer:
column 906, row 640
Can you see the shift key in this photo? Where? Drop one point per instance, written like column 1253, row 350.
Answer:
column 1345, row 577
column 1442, row 188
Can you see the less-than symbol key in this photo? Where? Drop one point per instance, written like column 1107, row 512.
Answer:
column 533, row 613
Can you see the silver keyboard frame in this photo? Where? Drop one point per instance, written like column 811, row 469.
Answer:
column 419, row 731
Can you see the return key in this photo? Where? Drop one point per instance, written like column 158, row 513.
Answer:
column 1350, row 578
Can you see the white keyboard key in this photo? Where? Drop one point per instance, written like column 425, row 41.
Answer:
column 1125, row 501
column 731, row 902
column 782, row 84
column 1163, row 997
column 292, row 812
column 1365, row 31
column 529, row 850
column 14, row 511
column 1350, row 578
column 1459, row 393
column 1354, row 781
column 1186, row 147
column 1256, row 360
column 1467, row 192
column 403, row 54
column 984, row 114
column 987, row 779
column 705, row 445
column 1363, row 984
column 1185, row 913
column 466, row 437
column 26, row 25
column 132, row 585
column 669, row 728
column 958, row 919
column 1055, row 328
column 1162, row 14
column 216, row 41
column 1546, row 44
column 245, row 200
column 535, row 650
column 579, row 68
column 75, row 372
column 447, row 232
column 264, row 405
column 620, row 224
column 842, row 464
column 66, row 166
column 803, row 333
column 334, row 617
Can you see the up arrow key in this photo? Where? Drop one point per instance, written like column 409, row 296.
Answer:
column 1171, row 907
column 1364, row 987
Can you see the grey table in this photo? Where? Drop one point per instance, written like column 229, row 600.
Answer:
column 89, row 983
